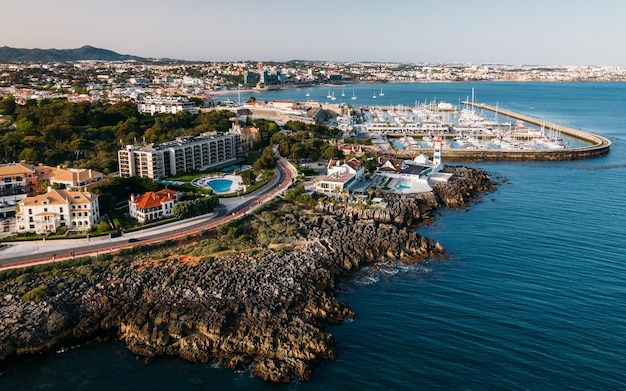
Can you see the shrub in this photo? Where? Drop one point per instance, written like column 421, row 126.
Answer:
column 36, row 294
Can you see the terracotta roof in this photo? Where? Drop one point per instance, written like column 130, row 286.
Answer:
column 60, row 197
column 154, row 199
column 353, row 163
column 14, row 169
column 74, row 176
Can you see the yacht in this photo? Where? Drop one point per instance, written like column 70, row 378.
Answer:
column 353, row 96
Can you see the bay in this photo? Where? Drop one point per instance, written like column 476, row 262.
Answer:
column 530, row 295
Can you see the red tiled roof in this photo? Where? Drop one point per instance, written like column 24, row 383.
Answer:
column 154, row 199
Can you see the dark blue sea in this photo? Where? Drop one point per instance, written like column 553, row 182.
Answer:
column 531, row 295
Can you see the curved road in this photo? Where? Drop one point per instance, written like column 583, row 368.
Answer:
column 28, row 253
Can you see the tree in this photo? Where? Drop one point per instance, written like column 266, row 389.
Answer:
column 332, row 152
column 248, row 177
column 8, row 105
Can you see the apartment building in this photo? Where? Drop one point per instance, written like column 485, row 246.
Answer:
column 185, row 154
column 165, row 104
column 17, row 181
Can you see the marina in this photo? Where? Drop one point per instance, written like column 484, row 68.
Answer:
column 468, row 133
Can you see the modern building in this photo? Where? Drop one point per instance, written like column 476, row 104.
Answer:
column 165, row 104
column 45, row 213
column 152, row 206
column 340, row 176
column 185, row 154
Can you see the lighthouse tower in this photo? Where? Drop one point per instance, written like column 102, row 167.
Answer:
column 437, row 153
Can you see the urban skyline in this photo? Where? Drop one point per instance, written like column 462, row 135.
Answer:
column 484, row 31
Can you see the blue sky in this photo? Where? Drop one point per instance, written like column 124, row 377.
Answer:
column 548, row 32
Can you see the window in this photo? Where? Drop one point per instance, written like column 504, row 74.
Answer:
column 61, row 210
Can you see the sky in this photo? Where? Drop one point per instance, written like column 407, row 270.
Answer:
column 514, row 32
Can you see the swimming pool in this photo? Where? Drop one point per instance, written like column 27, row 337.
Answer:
column 220, row 185
column 404, row 186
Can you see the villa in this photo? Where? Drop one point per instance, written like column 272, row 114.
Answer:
column 340, row 176
column 152, row 206
column 42, row 214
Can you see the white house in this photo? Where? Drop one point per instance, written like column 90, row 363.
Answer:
column 411, row 174
column 76, row 210
column 340, row 176
column 152, row 206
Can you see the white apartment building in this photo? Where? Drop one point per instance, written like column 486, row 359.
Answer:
column 165, row 104
column 185, row 154
column 45, row 213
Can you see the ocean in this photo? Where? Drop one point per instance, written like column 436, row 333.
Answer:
column 530, row 296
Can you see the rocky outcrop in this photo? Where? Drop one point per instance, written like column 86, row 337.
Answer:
column 465, row 185
column 266, row 312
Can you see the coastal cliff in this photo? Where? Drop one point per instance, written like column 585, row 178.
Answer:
column 266, row 308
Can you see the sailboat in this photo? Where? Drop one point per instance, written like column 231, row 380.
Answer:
column 374, row 96
column 353, row 96
column 308, row 93
column 329, row 96
column 381, row 93
column 333, row 96
column 343, row 93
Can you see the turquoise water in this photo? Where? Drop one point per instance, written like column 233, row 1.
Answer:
column 530, row 296
column 404, row 186
column 220, row 185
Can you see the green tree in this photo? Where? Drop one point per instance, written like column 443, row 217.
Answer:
column 332, row 152
column 8, row 105
column 248, row 177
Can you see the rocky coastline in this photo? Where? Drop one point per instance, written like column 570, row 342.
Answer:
column 264, row 310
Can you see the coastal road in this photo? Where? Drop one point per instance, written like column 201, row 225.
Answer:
column 42, row 251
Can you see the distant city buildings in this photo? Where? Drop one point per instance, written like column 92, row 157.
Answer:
column 130, row 81
column 185, row 154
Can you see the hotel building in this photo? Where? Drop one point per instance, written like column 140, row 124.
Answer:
column 185, row 154
column 44, row 213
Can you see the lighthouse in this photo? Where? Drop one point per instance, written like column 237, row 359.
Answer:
column 437, row 154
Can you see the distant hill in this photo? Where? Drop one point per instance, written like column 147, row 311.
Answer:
column 8, row 54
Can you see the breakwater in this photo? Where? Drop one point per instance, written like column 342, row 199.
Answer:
column 264, row 309
column 599, row 145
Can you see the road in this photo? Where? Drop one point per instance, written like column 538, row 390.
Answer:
column 42, row 251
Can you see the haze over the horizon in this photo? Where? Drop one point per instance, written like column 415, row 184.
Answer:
column 540, row 32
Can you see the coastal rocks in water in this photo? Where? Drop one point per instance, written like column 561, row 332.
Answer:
column 266, row 312
column 465, row 185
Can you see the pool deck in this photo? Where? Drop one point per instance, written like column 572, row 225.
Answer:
column 203, row 182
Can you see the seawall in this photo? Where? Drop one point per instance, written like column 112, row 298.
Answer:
column 599, row 145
